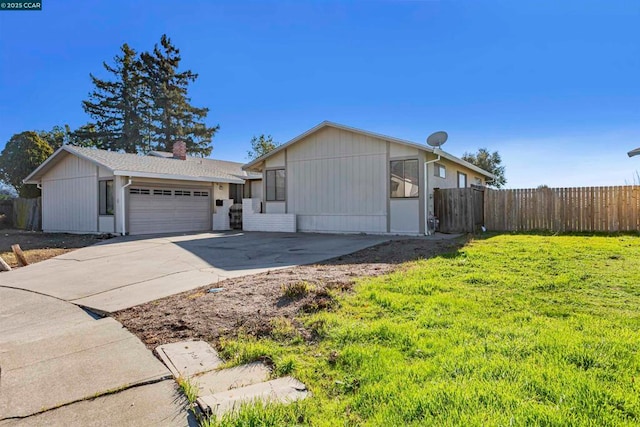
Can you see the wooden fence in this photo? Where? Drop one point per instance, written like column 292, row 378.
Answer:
column 6, row 213
column 590, row 209
column 459, row 210
column 27, row 214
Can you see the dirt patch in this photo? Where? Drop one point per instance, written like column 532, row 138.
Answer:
column 253, row 303
column 39, row 246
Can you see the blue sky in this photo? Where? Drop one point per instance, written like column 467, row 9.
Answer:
column 552, row 85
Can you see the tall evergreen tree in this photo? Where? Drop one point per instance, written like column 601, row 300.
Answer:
column 117, row 105
column 171, row 113
column 261, row 145
column 87, row 136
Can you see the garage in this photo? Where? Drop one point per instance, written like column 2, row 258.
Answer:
column 168, row 210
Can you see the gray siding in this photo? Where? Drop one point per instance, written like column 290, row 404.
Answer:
column 336, row 182
column 70, row 197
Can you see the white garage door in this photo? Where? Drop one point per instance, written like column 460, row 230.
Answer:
column 164, row 210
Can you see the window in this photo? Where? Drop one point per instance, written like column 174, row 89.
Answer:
column 105, row 197
column 235, row 192
column 462, row 180
column 440, row 171
column 275, row 185
column 477, row 181
column 201, row 194
column 144, row 191
column 404, row 178
column 182, row 193
column 161, row 192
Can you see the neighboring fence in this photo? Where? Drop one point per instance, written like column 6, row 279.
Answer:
column 6, row 213
column 605, row 209
column 27, row 214
column 459, row 210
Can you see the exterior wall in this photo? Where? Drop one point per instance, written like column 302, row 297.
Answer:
column 275, row 161
column 275, row 207
column 256, row 189
column 220, row 192
column 336, row 182
column 118, row 183
column 339, row 181
column 106, row 224
column 254, row 221
column 404, row 216
column 104, row 173
column 397, row 150
column 221, row 217
column 70, row 197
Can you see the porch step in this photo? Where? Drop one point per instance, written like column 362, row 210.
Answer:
column 224, row 390
column 188, row 358
column 281, row 390
column 213, row 382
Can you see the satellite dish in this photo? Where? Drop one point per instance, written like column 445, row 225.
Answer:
column 436, row 139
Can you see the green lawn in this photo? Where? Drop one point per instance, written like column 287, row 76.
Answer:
column 511, row 330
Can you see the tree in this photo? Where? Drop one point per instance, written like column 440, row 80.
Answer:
column 7, row 192
column 118, row 105
column 23, row 153
column 491, row 162
column 260, row 146
column 57, row 136
column 87, row 136
column 171, row 115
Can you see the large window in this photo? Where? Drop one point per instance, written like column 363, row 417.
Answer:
column 105, row 197
column 275, row 185
column 462, row 180
column 404, row 178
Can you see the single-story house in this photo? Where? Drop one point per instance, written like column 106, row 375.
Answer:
column 332, row 178
column 86, row 190
column 338, row 179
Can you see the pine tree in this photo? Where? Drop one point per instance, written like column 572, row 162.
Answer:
column 118, row 106
column 261, row 145
column 171, row 114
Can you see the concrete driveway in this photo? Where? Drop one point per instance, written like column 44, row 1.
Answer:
column 127, row 271
column 60, row 367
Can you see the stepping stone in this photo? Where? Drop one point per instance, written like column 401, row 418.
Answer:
column 188, row 358
column 281, row 390
column 213, row 382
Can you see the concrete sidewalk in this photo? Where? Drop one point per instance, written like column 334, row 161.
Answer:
column 127, row 271
column 59, row 364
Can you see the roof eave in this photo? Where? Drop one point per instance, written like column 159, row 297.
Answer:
column 135, row 174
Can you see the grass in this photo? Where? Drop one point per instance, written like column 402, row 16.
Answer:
column 296, row 290
column 512, row 330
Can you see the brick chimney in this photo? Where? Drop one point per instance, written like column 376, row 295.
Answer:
column 180, row 150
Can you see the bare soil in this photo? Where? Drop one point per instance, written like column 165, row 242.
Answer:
column 250, row 304
column 38, row 246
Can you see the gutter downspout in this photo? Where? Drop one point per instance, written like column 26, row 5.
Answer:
column 426, row 193
column 122, row 194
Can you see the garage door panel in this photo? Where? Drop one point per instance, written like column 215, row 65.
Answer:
column 153, row 210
